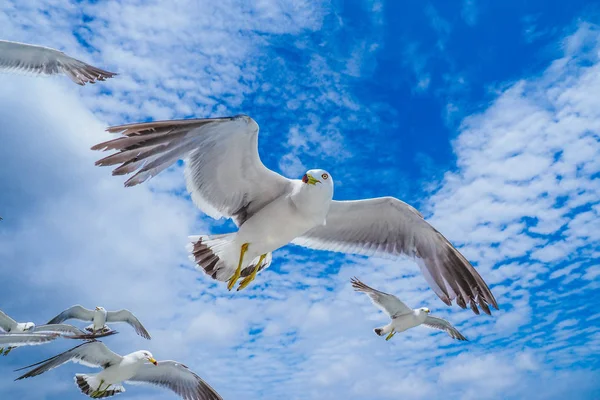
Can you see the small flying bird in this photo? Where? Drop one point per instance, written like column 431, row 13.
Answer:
column 36, row 334
column 226, row 178
column 41, row 60
column 136, row 367
column 99, row 317
column 403, row 317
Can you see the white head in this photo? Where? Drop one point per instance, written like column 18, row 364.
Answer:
column 143, row 356
column 101, row 309
column 318, row 179
column 424, row 310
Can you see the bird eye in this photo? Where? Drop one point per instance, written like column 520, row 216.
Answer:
column 324, row 176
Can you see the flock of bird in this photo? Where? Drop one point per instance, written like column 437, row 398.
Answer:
column 226, row 179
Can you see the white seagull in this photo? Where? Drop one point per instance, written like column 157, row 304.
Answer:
column 41, row 60
column 99, row 317
column 133, row 368
column 403, row 317
column 226, row 178
column 36, row 334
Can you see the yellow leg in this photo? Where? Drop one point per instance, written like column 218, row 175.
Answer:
column 251, row 277
column 391, row 335
column 98, row 393
column 238, row 271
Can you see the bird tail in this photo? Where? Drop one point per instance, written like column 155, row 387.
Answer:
column 217, row 257
column 92, row 386
column 378, row 331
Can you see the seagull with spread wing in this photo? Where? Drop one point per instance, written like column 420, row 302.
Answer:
column 226, row 178
column 136, row 367
column 28, row 333
column 99, row 317
column 403, row 317
column 41, row 60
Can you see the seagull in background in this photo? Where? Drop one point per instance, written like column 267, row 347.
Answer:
column 99, row 317
column 15, row 56
column 137, row 367
column 403, row 317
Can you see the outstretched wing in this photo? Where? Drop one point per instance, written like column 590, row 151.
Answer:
column 390, row 228
column 178, row 378
column 40, row 60
column 224, row 173
column 6, row 322
column 25, row 339
column 442, row 324
column 74, row 312
column 390, row 304
column 127, row 316
column 92, row 354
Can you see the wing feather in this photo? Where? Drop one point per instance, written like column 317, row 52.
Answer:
column 25, row 339
column 390, row 228
column 442, row 324
column 74, row 312
column 388, row 303
column 224, row 173
column 46, row 61
column 127, row 316
column 178, row 378
column 7, row 323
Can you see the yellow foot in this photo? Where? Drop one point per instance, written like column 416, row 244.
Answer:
column 391, row 335
column 238, row 271
column 98, row 393
column 246, row 281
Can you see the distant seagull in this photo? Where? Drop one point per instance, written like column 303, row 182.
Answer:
column 226, row 178
column 38, row 334
column 40, row 60
column 133, row 368
column 99, row 318
column 403, row 317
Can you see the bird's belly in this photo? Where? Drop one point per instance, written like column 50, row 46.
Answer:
column 118, row 373
column 273, row 227
column 405, row 322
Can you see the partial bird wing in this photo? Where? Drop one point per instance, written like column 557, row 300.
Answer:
column 91, row 354
column 388, row 227
column 442, row 324
column 25, row 339
column 71, row 332
column 74, row 312
column 224, row 173
column 178, row 378
column 6, row 322
column 390, row 304
column 127, row 316
column 46, row 61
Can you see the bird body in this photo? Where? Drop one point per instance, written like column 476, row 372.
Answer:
column 98, row 320
column 403, row 322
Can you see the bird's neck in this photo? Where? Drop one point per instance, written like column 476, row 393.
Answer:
column 311, row 201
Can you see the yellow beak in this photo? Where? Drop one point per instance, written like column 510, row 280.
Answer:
column 153, row 361
column 310, row 179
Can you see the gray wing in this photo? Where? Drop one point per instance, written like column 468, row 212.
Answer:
column 442, row 324
column 46, row 61
column 223, row 171
column 178, row 378
column 71, row 332
column 74, row 312
column 92, row 354
column 388, row 227
column 25, row 339
column 6, row 322
column 127, row 316
column 390, row 304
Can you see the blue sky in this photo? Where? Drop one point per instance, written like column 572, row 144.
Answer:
column 483, row 115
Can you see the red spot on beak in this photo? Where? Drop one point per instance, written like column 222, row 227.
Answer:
column 305, row 178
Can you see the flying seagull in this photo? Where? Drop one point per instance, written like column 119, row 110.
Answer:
column 133, row 367
column 41, row 60
column 99, row 317
column 226, row 178
column 38, row 334
column 403, row 317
